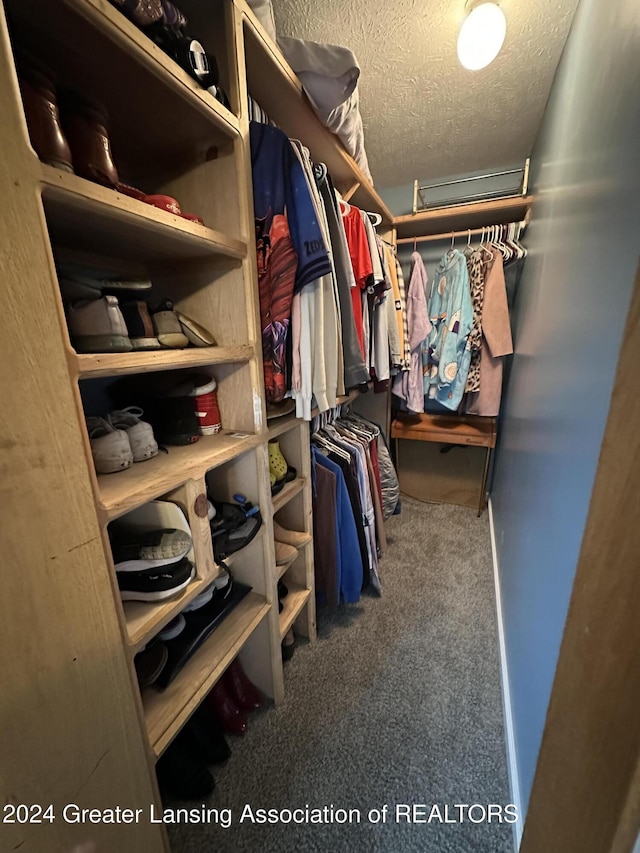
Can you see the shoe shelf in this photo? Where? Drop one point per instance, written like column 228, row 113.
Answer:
column 143, row 620
column 179, row 115
column 289, row 492
column 166, row 711
column 88, row 216
column 125, row 490
column 293, row 604
column 94, row 365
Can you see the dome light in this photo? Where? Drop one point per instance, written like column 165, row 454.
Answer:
column 481, row 35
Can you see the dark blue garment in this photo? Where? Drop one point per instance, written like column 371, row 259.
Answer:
column 280, row 186
column 349, row 559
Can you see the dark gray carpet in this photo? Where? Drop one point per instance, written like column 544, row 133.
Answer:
column 398, row 702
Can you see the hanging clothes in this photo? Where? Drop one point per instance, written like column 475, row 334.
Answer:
column 477, row 269
column 445, row 356
column 276, row 276
column 361, row 263
column 327, row 559
column 496, row 342
column 408, row 385
column 354, row 369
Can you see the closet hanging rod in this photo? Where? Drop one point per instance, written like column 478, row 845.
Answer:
column 447, row 235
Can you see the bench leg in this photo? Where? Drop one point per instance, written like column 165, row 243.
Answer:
column 483, row 487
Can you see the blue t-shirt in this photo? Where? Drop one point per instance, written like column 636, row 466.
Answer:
column 280, row 186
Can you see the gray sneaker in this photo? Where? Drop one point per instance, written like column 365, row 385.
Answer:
column 110, row 447
column 139, row 433
column 98, row 326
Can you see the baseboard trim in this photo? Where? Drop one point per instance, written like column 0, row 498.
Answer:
column 512, row 762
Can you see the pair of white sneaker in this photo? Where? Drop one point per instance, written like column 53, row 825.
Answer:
column 120, row 439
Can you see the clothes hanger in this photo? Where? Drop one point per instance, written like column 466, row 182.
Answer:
column 376, row 218
column 415, row 244
column 344, row 206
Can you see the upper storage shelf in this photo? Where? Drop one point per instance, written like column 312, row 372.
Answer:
column 477, row 214
column 160, row 120
column 274, row 85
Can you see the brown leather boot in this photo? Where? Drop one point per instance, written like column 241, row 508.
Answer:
column 85, row 124
column 43, row 118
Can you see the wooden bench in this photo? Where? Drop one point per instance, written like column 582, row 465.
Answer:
column 471, row 430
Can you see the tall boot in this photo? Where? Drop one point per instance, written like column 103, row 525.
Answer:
column 229, row 715
column 246, row 694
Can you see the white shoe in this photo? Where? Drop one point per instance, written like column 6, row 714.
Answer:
column 140, row 433
column 110, row 446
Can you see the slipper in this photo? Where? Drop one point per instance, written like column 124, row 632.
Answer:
column 197, row 334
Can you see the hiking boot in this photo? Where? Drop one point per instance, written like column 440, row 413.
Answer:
column 42, row 115
column 85, row 125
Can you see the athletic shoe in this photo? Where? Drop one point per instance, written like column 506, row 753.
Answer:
column 156, row 584
column 140, row 433
column 110, row 447
column 98, row 326
column 139, row 550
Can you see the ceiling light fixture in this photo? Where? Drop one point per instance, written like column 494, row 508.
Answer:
column 481, row 34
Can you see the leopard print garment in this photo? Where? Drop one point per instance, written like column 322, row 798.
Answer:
column 477, row 272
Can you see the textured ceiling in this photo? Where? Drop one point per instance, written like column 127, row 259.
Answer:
column 424, row 115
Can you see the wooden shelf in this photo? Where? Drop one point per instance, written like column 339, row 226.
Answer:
column 446, row 429
column 293, row 604
column 498, row 211
column 289, row 491
column 166, row 711
column 144, row 619
column 166, row 118
column 97, row 219
column 125, row 490
column 94, row 365
column 275, row 86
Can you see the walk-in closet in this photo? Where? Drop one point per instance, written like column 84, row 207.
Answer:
column 319, row 441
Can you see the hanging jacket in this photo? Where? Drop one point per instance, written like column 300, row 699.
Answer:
column 445, row 357
column 408, row 384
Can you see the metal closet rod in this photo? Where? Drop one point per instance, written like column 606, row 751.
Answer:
column 448, row 235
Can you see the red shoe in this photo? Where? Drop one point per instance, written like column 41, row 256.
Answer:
column 246, row 694
column 231, row 718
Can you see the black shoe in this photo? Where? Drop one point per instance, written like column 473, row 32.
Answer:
column 207, row 737
column 182, row 771
column 139, row 325
column 156, row 584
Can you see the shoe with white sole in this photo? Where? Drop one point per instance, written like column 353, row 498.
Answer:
column 110, row 447
column 157, row 584
column 140, row 433
column 98, row 326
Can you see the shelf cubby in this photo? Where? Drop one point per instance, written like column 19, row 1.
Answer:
column 166, row 711
column 125, row 490
column 97, row 219
column 289, row 492
column 293, row 604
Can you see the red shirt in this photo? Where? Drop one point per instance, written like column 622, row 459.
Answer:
column 361, row 263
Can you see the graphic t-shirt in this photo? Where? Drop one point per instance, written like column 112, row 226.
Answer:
column 279, row 186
